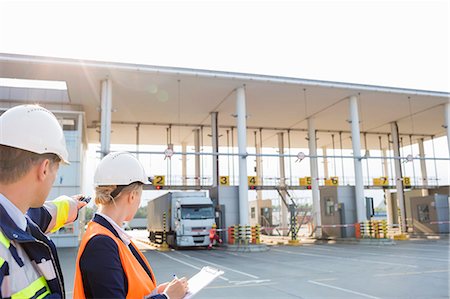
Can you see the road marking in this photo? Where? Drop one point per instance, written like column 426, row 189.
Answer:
column 346, row 258
column 412, row 273
column 408, row 257
column 342, row 289
column 240, row 286
column 342, row 249
column 437, row 271
column 397, row 274
column 187, row 264
column 249, row 281
column 219, row 266
column 404, row 248
column 326, row 279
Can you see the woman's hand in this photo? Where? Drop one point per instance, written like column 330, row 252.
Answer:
column 162, row 287
column 177, row 288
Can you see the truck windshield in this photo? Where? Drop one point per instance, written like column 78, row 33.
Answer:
column 197, row 212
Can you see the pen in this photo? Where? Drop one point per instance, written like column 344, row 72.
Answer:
column 175, row 276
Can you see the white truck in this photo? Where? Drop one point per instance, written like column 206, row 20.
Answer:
column 189, row 217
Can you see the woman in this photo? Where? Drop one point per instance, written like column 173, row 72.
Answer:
column 108, row 264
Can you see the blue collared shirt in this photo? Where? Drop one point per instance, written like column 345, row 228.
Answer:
column 16, row 215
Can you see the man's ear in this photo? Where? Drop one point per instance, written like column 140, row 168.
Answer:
column 43, row 169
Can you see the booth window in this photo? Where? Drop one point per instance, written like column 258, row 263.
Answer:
column 424, row 213
column 329, row 206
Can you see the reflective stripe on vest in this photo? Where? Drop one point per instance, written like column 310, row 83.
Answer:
column 2, row 261
column 37, row 289
column 4, row 240
column 62, row 207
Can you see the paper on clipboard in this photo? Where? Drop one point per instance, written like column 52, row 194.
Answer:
column 201, row 280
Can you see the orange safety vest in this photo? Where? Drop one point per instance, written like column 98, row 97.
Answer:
column 212, row 233
column 139, row 283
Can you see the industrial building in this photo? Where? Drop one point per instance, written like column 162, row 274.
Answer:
column 216, row 130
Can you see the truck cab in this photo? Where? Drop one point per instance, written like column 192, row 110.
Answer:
column 194, row 218
column 183, row 218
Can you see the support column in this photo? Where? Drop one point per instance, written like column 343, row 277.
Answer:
column 105, row 124
column 258, row 167
column 423, row 166
column 356, row 145
column 447, row 124
column 197, row 157
column 138, row 127
column 215, row 147
column 398, row 175
column 283, row 208
column 242, row 150
column 325, row 163
column 183, row 163
column 387, row 193
column 317, row 216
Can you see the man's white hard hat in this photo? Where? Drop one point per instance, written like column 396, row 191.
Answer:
column 34, row 129
column 119, row 168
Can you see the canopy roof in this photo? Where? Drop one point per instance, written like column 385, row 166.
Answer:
column 158, row 97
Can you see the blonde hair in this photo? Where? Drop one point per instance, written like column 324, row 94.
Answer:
column 103, row 193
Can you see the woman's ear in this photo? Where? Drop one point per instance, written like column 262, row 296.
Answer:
column 132, row 196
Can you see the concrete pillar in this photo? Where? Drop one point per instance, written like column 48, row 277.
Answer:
column 398, row 175
column 317, row 216
column 325, row 163
column 242, row 150
column 197, row 157
column 258, row 167
column 138, row 127
column 387, row 194
column 283, row 208
column 423, row 163
column 105, row 122
column 215, row 147
column 356, row 145
column 184, row 163
column 447, row 124
column 233, row 177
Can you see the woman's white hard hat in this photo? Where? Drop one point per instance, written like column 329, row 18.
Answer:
column 34, row 129
column 119, row 168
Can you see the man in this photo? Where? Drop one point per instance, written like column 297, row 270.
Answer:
column 213, row 236
column 32, row 146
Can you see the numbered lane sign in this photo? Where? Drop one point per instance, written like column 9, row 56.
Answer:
column 252, row 180
column 224, row 180
column 407, row 181
column 159, row 180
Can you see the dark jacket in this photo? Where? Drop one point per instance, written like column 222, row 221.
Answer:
column 36, row 246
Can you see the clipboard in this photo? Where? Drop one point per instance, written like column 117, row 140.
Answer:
column 201, row 279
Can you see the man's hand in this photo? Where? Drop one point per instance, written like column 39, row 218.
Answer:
column 79, row 198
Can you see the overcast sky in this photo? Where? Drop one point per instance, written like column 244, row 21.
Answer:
column 389, row 43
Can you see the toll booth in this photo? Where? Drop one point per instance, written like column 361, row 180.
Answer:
column 226, row 202
column 261, row 212
column 69, row 178
column 338, row 208
column 432, row 203
column 430, row 214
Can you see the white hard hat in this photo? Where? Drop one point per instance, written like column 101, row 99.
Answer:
column 119, row 168
column 34, row 129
